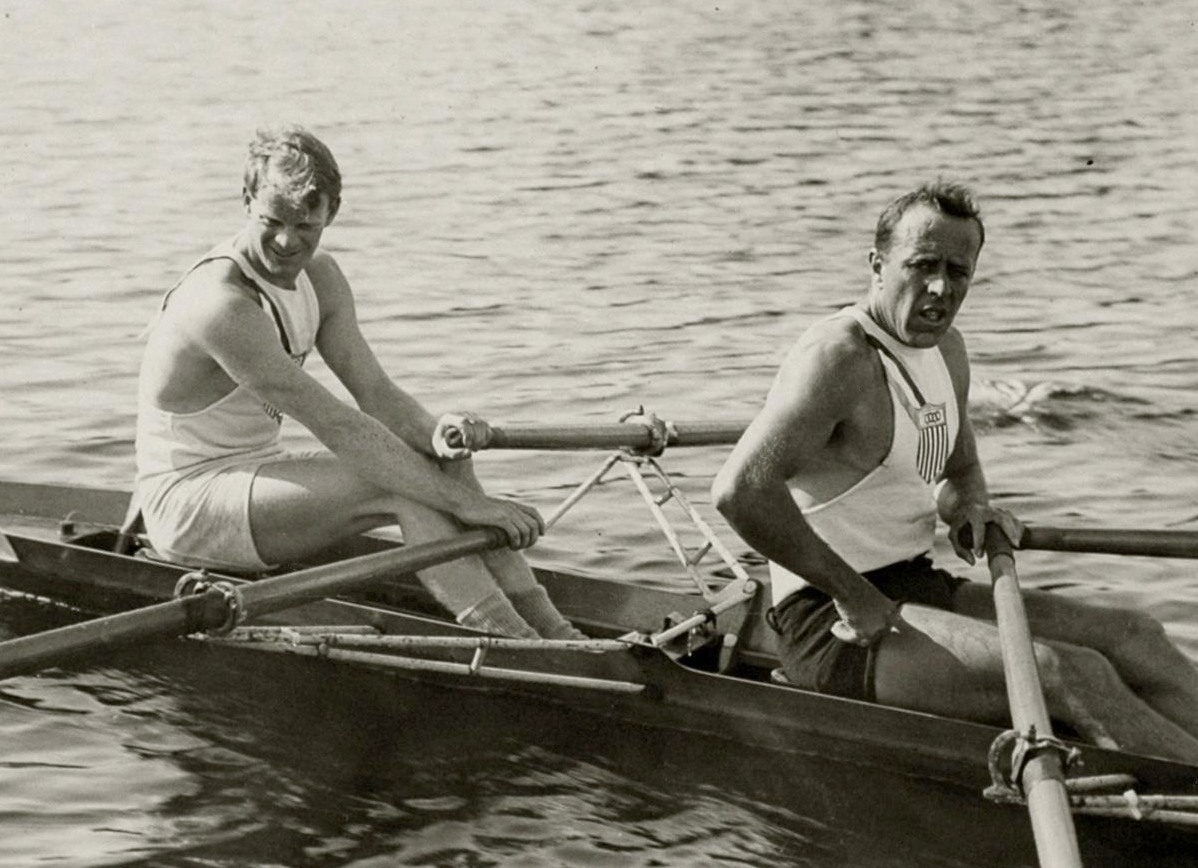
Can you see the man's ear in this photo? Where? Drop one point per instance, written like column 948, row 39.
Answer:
column 246, row 198
column 875, row 264
column 334, row 207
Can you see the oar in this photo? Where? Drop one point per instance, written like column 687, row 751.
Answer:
column 1112, row 541
column 1043, row 778
column 631, row 435
column 196, row 612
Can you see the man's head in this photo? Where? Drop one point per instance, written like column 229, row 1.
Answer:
column 925, row 249
column 292, row 191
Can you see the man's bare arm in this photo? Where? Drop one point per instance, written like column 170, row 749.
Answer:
column 350, row 357
column 812, row 395
column 240, row 337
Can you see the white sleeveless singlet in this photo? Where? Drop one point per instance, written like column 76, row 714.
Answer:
column 890, row 514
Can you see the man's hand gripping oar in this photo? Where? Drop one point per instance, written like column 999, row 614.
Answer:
column 868, row 618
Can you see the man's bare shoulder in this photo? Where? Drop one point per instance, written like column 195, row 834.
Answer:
column 329, row 283
column 216, row 280
column 323, row 263
column 325, row 273
column 214, row 293
column 952, row 345
column 956, row 358
column 833, row 349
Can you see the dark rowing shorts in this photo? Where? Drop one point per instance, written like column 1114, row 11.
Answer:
column 814, row 659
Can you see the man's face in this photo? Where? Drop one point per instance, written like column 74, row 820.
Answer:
column 281, row 235
column 918, row 285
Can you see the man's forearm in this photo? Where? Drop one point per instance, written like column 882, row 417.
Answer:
column 770, row 522
column 374, row 451
column 402, row 414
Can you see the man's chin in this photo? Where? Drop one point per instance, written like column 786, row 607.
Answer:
column 286, row 269
column 923, row 338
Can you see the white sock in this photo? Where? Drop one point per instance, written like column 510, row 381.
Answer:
column 495, row 614
column 538, row 610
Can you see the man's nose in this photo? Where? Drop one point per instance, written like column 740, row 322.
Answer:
column 286, row 238
column 938, row 284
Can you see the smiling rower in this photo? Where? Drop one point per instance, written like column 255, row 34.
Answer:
column 224, row 365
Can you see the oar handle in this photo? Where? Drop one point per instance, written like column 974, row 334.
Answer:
column 630, row 435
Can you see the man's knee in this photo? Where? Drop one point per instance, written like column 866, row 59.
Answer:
column 1136, row 630
column 1121, row 632
column 1063, row 668
column 1071, row 676
column 1059, row 669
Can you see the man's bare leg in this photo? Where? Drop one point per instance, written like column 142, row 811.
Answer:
column 1134, row 642
column 946, row 663
column 301, row 506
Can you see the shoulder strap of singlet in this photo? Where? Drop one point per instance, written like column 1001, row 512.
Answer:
column 907, row 378
column 268, row 304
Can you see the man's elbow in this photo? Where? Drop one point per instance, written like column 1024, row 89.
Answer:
column 728, row 493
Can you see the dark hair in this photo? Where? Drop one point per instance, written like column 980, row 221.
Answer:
column 296, row 162
column 955, row 200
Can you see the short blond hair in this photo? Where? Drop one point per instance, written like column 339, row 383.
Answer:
column 296, row 162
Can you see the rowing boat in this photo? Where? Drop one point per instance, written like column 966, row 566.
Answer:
column 714, row 677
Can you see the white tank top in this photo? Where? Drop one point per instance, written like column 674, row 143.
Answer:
column 890, row 514
column 239, row 424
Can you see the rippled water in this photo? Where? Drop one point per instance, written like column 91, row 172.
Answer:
column 554, row 213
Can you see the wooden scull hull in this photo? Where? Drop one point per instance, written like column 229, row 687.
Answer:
column 682, row 692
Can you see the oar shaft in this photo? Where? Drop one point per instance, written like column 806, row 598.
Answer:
column 205, row 611
column 1043, row 778
column 38, row 651
column 613, row 436
column 315, row 583
column 1114, row 541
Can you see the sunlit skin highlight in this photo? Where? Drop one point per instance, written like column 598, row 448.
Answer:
column 920, row 283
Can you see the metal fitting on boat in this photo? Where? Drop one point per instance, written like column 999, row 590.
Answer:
column 658, row 430
column 1007, row 786
column 197, row 583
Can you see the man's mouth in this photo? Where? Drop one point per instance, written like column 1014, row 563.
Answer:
column 283, row 255
column 933, row 314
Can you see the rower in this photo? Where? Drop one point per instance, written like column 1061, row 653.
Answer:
column 222, row 368
column 863, row 441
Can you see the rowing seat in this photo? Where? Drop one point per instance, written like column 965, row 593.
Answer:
column 131, row 529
